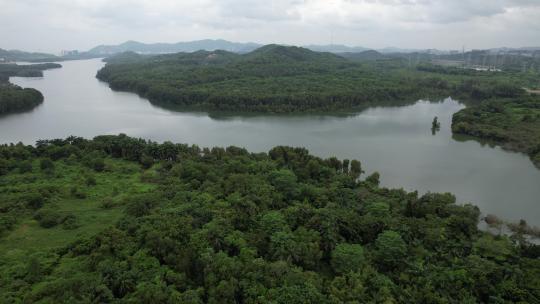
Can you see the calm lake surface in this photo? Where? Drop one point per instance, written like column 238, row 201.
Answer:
column 395, row 141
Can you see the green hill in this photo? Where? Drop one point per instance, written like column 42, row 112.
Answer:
column 270, row 79
column 277, row 78
column 189, row 46
column 278, row 53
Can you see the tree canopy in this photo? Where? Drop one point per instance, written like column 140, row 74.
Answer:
column 278, row 78
column 513, row 123
column 173, row 223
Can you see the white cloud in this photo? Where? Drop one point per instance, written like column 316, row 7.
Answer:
column 56, row 24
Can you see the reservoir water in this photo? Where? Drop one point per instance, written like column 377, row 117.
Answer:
column 395, row 141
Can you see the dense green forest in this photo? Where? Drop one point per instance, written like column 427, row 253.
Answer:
column 123, row 220
column 284, row 79
column 15, row 99
column 514, row 123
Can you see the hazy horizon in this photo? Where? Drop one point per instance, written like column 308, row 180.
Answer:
column 409, row 24
column 58, row 51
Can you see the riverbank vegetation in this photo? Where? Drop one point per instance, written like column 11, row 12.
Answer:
column 118, row 219
column 513, row 123
column 287, row 79
column 15, row 99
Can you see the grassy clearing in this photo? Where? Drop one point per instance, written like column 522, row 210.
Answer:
column 119, row 179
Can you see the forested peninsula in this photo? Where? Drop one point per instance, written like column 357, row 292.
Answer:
column 277, row 78
column 14, row 99
column 512, row 123
column 121, row 220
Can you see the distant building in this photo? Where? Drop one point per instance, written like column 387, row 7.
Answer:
column 448, row 63
column 69, row 52
column 483, row 68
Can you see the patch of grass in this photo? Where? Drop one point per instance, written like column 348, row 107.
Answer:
column 121, row 178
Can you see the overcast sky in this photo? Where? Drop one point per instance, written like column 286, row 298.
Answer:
column 53, row 25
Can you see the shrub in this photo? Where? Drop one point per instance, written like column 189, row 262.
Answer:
column 46, row 165
column 98, row 164
column 90, row 180
column 4, row 166
column 6, row 223
column 146, row 161
column 34, row 200
column 51, row 218
column 95, row 161
column 107, row 203
column 48, row 218
column 141, row 205
column 25, row 167
column 150, row 176
column 77, row 192
column 70, row 222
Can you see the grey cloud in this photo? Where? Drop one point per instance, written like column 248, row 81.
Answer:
column 260, row 10
column 82, row 24
column 448, row 11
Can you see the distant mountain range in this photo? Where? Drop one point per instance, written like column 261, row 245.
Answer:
column 9, row 56
column 236, row 47
column 368, row 55
column 15, row 55
column 336, row 48
column 352, row 52
column 163, row 48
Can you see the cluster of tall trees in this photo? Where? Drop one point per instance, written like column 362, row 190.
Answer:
column 223, row 225
column 283, row 79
